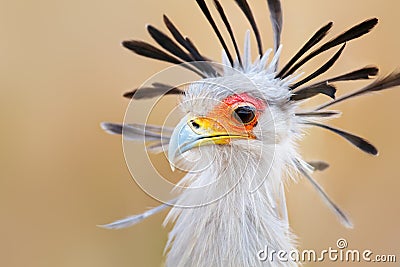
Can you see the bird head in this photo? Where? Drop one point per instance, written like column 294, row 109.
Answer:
column 234, row 112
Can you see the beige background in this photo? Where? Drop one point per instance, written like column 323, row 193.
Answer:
column 63, row 72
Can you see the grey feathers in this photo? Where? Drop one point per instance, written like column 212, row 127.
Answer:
column 134, row 219
column 138, row 132
column 336, row 210
column 318, row 165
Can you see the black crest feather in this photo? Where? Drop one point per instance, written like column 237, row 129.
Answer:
column 359, row 142
column 353, row 33
column 228, row 28
column 315, row 39
column 206, row 12
column 314, row 90
column 157, row 89
column 244, row 6
column 322, row 69
column 190, row 47
column 147, row 50
column 387, row 82
column 360, row 74
column 275, row 10
column 181, row 40
column 169, row 45
column 321, row 114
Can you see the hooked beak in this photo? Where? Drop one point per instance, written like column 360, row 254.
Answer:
column 194, row 132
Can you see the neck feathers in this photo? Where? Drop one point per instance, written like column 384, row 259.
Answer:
column 231, row 210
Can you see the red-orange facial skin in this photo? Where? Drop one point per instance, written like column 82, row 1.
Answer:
column 222, row 121
column 234, row 101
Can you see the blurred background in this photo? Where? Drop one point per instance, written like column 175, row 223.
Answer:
column 63, row 71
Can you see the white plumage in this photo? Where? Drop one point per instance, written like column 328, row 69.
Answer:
column 238, row 139
column 241, row 207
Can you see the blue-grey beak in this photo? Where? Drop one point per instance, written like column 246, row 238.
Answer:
column 193, row 132
column 183, row 139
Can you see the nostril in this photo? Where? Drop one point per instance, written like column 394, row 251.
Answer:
column 195, row 124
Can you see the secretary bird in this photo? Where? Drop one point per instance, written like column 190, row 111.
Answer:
column 246, row 110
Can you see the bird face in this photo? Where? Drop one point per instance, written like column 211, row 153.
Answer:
column 219, row 114
column 234, row 118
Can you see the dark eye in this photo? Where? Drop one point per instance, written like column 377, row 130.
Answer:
column 244, row 114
